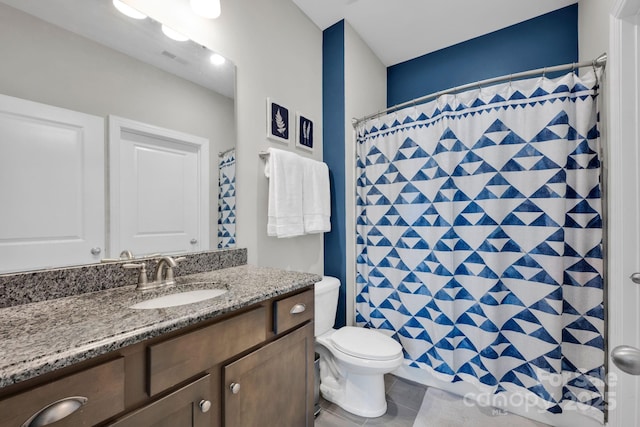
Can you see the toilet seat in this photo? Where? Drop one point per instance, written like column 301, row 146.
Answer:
column 365, row 343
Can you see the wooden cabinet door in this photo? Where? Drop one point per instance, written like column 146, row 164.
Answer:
column 186, row 407
column 273, row 385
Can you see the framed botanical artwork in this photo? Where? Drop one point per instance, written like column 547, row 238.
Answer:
column 278, row 124
column 304, row 132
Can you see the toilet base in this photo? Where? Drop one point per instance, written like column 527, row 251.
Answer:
column 362, row 395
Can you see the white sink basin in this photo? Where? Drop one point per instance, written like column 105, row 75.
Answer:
column 180, row 298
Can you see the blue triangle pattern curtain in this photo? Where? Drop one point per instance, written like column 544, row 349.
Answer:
column 227, row 201
column 479, row 239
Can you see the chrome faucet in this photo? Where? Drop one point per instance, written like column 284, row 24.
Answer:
column 164, row 270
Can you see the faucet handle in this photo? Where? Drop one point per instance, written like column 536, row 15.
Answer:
column 142, row 277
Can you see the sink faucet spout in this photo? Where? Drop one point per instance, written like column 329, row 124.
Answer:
column 164, row 270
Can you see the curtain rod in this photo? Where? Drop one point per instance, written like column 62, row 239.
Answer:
column 600, row 61
column 222, row 153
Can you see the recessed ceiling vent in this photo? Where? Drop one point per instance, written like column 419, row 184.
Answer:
column 174, row 57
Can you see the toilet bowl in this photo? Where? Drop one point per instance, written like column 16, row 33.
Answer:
column 353, row 360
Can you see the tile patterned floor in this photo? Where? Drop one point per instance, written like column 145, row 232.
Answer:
column 403, row 402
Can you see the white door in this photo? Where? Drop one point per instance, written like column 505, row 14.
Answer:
column 159, row 189
column 623, row 72
column 51, row 186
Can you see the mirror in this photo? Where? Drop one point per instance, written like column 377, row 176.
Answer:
column 85, row 56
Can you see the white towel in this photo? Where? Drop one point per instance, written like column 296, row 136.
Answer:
column 316, row 199
column 285, row 172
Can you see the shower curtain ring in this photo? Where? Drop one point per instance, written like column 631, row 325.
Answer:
column 544, row 72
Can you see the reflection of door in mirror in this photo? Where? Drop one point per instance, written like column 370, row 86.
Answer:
column 158, row 192
column 51, row 185
column 227, row 200
column 48, row 64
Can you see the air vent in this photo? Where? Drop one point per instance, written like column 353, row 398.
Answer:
column 175, row 57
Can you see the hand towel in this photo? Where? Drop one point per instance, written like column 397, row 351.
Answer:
column 285, row 172
column 316, row 199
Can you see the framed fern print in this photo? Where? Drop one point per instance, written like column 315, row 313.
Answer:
column 304, row 132
column 278, row 123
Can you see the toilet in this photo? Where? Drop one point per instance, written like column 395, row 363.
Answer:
column 353, row 360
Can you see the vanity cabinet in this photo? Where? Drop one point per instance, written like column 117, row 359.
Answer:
column 252, row 367
column 90, row 395
column 189, row 406
column 269, row 387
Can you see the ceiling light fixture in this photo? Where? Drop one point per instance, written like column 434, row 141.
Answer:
column 173, row 34
column 217, row 59
column 206, row 8
column 128, row 10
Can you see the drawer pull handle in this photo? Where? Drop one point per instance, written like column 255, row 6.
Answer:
column 205, row 405
column 298, row 308
column 235, row 388
column 55, row 411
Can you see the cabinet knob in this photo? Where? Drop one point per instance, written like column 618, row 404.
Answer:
column 193, row 241
column 235, row 388
column 635, row 278
column 95, row 251
column 204, row 405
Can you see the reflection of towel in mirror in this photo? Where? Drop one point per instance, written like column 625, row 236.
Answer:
column 316, row 199
column 285, row 172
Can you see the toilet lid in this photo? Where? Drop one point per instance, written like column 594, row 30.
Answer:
column 365, row 343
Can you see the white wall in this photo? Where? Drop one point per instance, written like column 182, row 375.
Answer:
column 278, row 54
column 365, row 80
column 593, row 28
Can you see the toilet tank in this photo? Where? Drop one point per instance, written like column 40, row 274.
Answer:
column 326, row 303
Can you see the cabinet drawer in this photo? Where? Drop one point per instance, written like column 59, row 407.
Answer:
column 292, row 311
column 180, row 358
column 102, row 387
column 188, row 406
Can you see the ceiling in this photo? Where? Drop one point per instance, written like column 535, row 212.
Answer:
column 399, row 30
column 99, row 21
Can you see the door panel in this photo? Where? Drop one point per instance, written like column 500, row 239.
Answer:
column 159, row 189
column 51, row 186
column 624, row 207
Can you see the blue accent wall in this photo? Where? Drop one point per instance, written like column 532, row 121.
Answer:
column 333, row 113
column 547, row 40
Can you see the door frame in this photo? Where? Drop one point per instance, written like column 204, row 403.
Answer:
column 623, row 204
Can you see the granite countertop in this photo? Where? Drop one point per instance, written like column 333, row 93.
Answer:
column 44, row 336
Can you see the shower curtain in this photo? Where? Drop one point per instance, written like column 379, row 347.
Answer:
column 227, row 200
column 479, row 239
